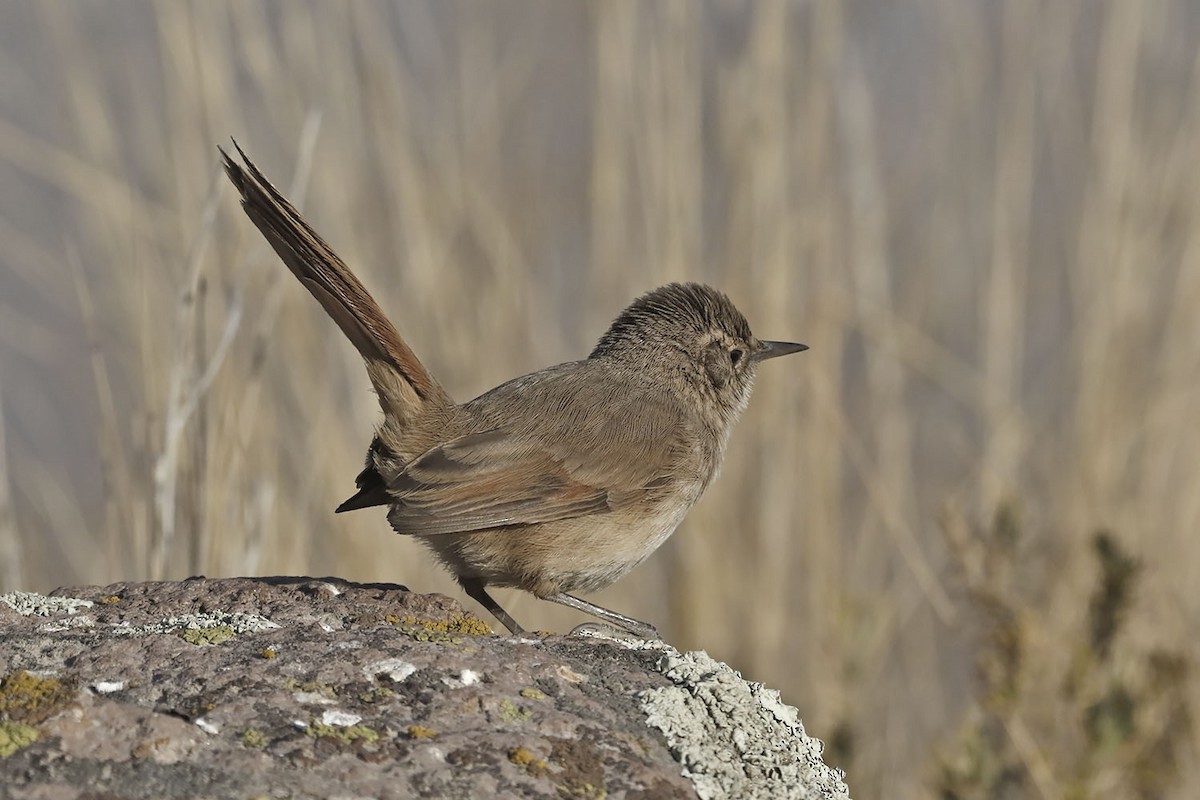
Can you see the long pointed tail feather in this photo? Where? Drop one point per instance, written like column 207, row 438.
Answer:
column 403, row 384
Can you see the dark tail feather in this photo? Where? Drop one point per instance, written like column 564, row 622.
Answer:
column 403, row 384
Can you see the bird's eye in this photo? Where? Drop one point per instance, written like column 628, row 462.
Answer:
column 736, row 355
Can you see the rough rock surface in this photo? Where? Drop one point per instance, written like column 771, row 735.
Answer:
column 300, row 687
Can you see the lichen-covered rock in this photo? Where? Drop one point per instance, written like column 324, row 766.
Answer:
column 735, row 738
column 299, row 688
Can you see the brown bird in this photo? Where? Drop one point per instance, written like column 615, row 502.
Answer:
column 559, row 481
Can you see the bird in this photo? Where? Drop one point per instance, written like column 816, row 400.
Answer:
column 558, row 482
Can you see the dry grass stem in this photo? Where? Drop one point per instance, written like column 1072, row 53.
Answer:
column 984, row 218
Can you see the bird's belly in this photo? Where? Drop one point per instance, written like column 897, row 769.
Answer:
column 576, row 555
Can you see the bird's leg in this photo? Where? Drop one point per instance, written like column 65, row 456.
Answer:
column 634, row 626
column 476, row 591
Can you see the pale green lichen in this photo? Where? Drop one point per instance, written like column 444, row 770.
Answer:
column 509, row 712
column 311, row 687
column 208, row 636
column 252, row 737
column 377, row 695
column 346, row 735
column 16, row 735
column 26, row 699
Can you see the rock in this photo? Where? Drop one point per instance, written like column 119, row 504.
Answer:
column 306, row 688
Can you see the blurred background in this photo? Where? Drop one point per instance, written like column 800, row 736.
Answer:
column 960, row 534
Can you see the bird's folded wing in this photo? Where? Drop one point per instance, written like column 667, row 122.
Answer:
column 495, row 479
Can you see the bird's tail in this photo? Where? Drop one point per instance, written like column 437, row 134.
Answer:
column 405, row 388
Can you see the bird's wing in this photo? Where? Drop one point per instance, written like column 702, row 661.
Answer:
column 504, row 477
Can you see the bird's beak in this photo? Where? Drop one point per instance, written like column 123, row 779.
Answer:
column 775, row 349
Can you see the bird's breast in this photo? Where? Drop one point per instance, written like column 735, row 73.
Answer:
column 584, row 554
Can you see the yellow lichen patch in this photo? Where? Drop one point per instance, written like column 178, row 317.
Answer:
column 583, row 791
column 268, row 652
column 440, row 630
column 580, row 771
column 420, row 732
column 108, row 601
column 14, row 736
column 533, row 694
column 524, row 757
column 148, row 748
column 470, row 625
column 208, row 636
column 198, row 707
column 27, row 698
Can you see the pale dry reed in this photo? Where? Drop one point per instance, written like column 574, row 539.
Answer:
column 983, row 217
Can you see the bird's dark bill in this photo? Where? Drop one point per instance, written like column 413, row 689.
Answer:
column 775, row 349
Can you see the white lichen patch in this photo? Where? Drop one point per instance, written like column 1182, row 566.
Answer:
column 468, row 677
column 392, row 668
column 32, row 604
column 735, row 738
column 107, row 687
column 312, row 699
column 67, row 623
column 568, row 674
column 237, row 621
column 340, row 719
column 206, row 725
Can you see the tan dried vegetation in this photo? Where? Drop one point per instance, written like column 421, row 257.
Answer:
column 959, row 534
